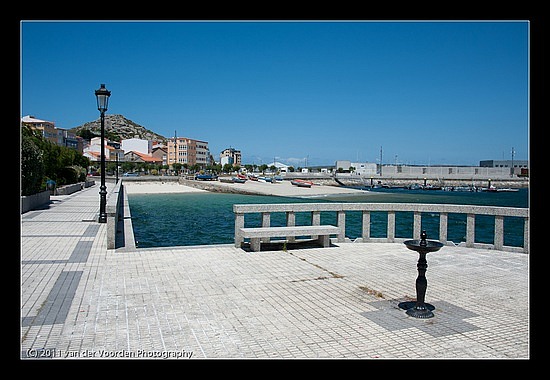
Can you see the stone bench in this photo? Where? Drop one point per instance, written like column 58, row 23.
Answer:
column 255, row 234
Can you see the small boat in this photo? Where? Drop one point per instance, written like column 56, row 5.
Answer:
column 242, row 176
column 432, row 187
column 238, row 180
column 493, row 189
column 460, row 188
column 206, row 177
column 301, row 183
column 252, row 177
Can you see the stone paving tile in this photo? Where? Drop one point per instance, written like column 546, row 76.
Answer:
column 223, row 302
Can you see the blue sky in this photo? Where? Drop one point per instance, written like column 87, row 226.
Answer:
column 426, row 92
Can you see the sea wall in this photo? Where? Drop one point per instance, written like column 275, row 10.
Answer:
column 389, row 181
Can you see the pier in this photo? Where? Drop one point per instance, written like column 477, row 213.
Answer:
column 82, row 299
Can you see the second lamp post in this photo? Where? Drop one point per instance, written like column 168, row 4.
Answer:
column 102, row 96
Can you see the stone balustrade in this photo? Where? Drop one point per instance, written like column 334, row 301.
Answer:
column 499, row 213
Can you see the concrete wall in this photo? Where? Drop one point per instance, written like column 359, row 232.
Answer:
column 444, row 172
column 34, row 201
column 114, row 211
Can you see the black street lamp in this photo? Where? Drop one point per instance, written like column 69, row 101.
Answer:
column 102, row 96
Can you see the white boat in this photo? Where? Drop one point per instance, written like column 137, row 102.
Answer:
column 493, row 189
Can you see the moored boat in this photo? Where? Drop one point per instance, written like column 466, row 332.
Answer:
column 206, row 177
column 301, row 183
column 493, row 189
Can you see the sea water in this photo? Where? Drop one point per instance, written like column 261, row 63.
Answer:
column 182, row 219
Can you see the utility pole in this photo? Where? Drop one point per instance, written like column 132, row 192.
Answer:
column 512, row 169
column 380, row 160
column 175, row 148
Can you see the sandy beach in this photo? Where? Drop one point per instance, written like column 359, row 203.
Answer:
column 138, row 187
column 282, row 189
column 287, row 189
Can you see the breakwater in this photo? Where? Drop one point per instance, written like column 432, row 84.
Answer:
column 406, row 182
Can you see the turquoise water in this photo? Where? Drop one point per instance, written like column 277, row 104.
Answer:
column 164, row 220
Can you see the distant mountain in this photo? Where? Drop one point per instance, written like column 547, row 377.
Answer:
column 117, row 126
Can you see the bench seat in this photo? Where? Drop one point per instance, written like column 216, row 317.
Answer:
column 255, row 234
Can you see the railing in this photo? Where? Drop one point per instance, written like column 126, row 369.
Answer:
column 417, row 209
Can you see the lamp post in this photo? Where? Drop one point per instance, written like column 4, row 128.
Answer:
column 102, row 96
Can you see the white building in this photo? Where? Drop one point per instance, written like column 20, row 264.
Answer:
column 360, row 168
column 364, row 168
column 282, row 168
column 93, row 150
column 136, row 145
column 226, row 160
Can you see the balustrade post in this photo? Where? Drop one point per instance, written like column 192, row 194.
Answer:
column 443, row 221
column 239, row 223
column 499, row 232
column 291, row 221
column 316, row 218
column 366, row 226
column 342, row 226
column 391, row 226
column 417, row 224
column 266, row 222
column 470, row 230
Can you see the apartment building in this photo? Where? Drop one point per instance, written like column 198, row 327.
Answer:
column 230, row 156
column 188, row 151
column 50, row 132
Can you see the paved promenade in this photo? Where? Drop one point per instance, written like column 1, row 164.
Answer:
column 80, row 300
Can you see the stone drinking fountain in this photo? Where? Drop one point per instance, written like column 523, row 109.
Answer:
column 418, row 308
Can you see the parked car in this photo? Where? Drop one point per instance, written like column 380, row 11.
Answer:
column 130, row 175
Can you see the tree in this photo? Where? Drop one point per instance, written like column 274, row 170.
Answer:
column 42, row 159
column 227, row 168
column 176, row 166
column 86, row 134
column 32, row 164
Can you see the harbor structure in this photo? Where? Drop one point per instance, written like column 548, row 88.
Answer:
column 515, row 167
column 486, row 169
column 445, row 172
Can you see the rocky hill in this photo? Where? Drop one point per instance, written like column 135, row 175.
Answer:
column 118, row 127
